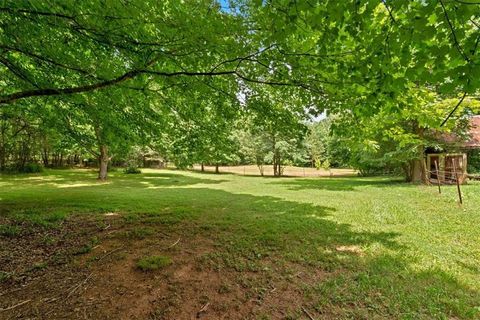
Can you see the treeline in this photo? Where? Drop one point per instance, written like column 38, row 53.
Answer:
column 30, row 144
column 383, row 143
column 217, row 85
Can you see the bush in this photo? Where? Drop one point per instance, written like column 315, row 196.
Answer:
column 153, row 263
column 473, row 161
column 132, row 170
column 27, row 168
column 31, row 168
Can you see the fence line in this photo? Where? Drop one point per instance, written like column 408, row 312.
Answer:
column 447, row 177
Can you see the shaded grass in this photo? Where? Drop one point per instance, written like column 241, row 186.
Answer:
column 9, row 230
column 388, row 249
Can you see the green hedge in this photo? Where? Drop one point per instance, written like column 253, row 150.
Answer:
column 473, row 161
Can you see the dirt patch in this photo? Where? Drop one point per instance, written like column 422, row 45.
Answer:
column 86, row 269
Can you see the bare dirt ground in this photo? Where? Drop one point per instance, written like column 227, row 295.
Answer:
column 289, row 171
column 86, row 269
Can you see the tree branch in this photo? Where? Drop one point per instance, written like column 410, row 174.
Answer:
column 71, row 90
column 40, row 58
column 454, row 109
column 130, row 75
column 389, row 11
column 454, row 36
column 17, row 71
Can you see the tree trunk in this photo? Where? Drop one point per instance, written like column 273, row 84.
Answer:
column 103, row 160
column 275, row 173
column 45, row 157
column 2, row 157
column 203, row 167
column 216, row 168
column 407, row 169
column 276, row 164
column 3, row 150
column 419, row 168
column 260, row 167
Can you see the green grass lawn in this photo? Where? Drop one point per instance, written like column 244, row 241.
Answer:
column 340, row 247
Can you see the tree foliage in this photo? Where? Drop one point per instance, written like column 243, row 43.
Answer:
column 177, row 76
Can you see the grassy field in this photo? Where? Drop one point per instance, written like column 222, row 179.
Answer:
column 289, row 171
column 184, row 245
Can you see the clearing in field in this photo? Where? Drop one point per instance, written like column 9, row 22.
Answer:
column 182, row 245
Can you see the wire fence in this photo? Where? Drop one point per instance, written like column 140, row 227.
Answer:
column 451, row 175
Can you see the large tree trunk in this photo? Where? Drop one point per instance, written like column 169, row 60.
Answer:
column 419, row 168
column 103, row 160
column 407, row 169
column 216, row 168
column 203, row 167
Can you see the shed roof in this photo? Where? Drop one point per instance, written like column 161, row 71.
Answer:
column 474, row 133
column 471, row 141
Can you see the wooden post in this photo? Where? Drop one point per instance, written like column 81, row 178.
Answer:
column 458, row 182
column 438, row 176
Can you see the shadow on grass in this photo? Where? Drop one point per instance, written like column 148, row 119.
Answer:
column 340, row 184
column 163, row 179
column 257, row 233
column 87, row 178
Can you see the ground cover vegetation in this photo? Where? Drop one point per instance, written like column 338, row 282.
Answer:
column 245, row 247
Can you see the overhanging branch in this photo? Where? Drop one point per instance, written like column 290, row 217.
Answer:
column 454, row 109
column 132, row 74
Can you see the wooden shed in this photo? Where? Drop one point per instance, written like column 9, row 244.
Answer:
column 451, row 164
column 447, row 167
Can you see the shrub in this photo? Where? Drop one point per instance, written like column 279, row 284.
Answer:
column 31, row 168
column 473, row 161
column 27, row 168
column 153, row 263
column 132, row 170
